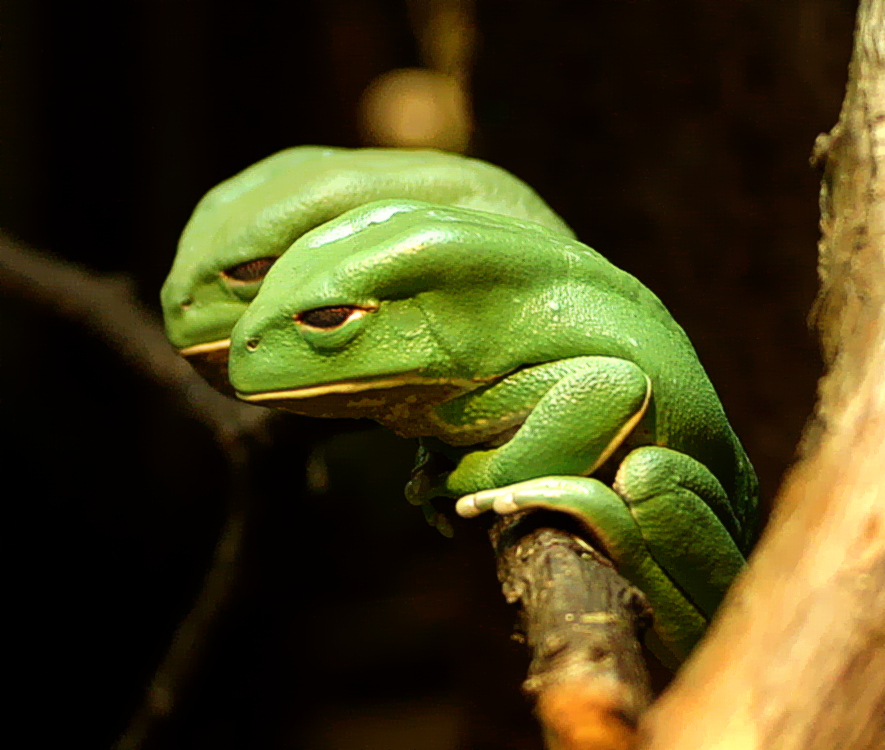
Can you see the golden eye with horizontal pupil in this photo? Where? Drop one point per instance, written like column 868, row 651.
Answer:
column 251, row 270
column 329, row 317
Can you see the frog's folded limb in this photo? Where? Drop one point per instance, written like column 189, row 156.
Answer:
column 678, row 622
column 585, row 407
column 672, row 497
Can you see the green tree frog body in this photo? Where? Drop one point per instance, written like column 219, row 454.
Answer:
column 548, row 378
column 243, row 225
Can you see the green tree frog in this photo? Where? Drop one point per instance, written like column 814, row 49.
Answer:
column 544, row 375
column 243, row 225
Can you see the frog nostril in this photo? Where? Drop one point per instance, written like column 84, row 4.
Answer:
column 186, row 303
column 252, row 344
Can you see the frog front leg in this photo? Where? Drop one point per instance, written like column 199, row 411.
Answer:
column 578, row 411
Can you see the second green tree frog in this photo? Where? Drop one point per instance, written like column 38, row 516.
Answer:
column 240, row 228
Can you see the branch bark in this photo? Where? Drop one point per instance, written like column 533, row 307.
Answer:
column 584, row 624
column 797, row 657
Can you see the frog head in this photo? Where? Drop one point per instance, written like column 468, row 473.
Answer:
column 394, row 308
column 242, row 226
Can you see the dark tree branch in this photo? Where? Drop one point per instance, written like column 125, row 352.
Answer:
column 108, row 307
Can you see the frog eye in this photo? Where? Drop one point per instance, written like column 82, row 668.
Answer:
column 330, row 317
column 250, row 271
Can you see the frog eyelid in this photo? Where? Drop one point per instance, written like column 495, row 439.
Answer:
column 331, row 317
column 250, row 271
column 256, row 269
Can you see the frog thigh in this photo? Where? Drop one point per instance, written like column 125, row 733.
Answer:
column 575, row 427
column 677, row 622
column 671, row 496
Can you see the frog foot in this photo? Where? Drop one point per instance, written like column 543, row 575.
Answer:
column 600, row 510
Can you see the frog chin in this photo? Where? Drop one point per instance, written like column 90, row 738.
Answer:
column 210, row 361
column 404, row 403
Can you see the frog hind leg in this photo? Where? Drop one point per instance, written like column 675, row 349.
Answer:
column 672, row 496
column 678, row 624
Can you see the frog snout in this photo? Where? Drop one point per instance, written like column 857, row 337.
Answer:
column 259, row 336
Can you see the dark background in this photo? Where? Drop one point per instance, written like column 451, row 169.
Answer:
column 672, row 135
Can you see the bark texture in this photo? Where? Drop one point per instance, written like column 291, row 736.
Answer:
column 584, row 624
column 797, row 657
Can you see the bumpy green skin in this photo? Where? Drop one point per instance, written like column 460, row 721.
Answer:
column 548, row 377
column 261, row 211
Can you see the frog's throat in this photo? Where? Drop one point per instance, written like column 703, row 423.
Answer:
column 358, row 386
column 207, row 348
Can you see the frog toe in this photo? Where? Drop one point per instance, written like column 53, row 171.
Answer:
column 502, row 502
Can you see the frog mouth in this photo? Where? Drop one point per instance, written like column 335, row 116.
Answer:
column 210, row 361
column 354, row 386
column 400, row 402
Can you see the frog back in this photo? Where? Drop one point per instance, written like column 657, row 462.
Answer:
column 579, row 304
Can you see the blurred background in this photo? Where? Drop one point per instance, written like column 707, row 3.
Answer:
column 673, row 136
